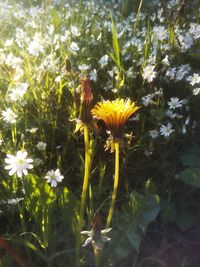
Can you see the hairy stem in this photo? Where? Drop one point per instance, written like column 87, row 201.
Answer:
column 115, row 187
column 84, row 192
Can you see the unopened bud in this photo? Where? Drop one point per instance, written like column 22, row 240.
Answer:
column 86, row 95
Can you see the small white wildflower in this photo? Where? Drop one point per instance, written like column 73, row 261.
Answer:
column 37, row 162
column 196, row 91
column 83, row 67
column 97, row 238
column 18, row 164
column 147, row 100
column 41, row 146
column 171, row 72
column 166, row 130
column 165, row 61
column 93, row 75
column 74, row 47
column 32, row 130
column 9, row 116
column 103, row 61
column 8, row 42
column 58, row 79
column 153, row 134
column 160, row 33
column 175, row 103
column 75, row 31
column 36, row 47
column 17, row 92
column 194, row 79
column 1, row 141
column 186, row 41
column 54, row 177
column 148, row 73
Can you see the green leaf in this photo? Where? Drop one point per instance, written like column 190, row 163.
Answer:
column 132, row 223
column 191, row 160
column 115, row 46
column 191, row 176
column 185, row 220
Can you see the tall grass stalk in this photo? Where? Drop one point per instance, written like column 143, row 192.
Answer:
column 115, row 187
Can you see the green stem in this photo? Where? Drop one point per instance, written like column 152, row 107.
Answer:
column 86, row 174
column 115, row 187
column 97, row 257
column 14, row 134
column 84, row 192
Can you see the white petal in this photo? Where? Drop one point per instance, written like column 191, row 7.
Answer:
column 8, row 160
column 29, row 160
column 12, row 171
column 19, row 173
column 86, row 233
column 25, row 171
column 24, row 154
column 105, row 231
column 29, row 166
column 59, row 178
column 10, row 156
column 8, row 167
column 53, row 183
column 19, row 154
column 87, row 241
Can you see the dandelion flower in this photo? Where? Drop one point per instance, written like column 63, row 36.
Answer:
column 18, row 164
column 115, row 114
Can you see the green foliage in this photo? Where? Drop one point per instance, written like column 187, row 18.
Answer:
column 132, row 222
column 48, row 46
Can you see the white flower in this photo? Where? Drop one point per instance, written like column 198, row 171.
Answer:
column 1, row 141
column 185, row 40
column 9, row 116
column 196, row 91
column 54, row 177
column 17, row 92
column 32, row 130
column 58, row 79
column 97, row 238
column 160, row 33
column 37, row 161
column 171, row 72
column 93, row 75
column 148, row 73
column 103, row 61
column 153, row 134
column 165, row 61
column 8, row 42
column 147, row 100
column 175, row 103
column 75, row 31
column 74, row 47
column 36, row 47
column 195, row 30
column 83, row 67
column 194, row 79
column 166, row 130
column 18, row 164
column 41, row 146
